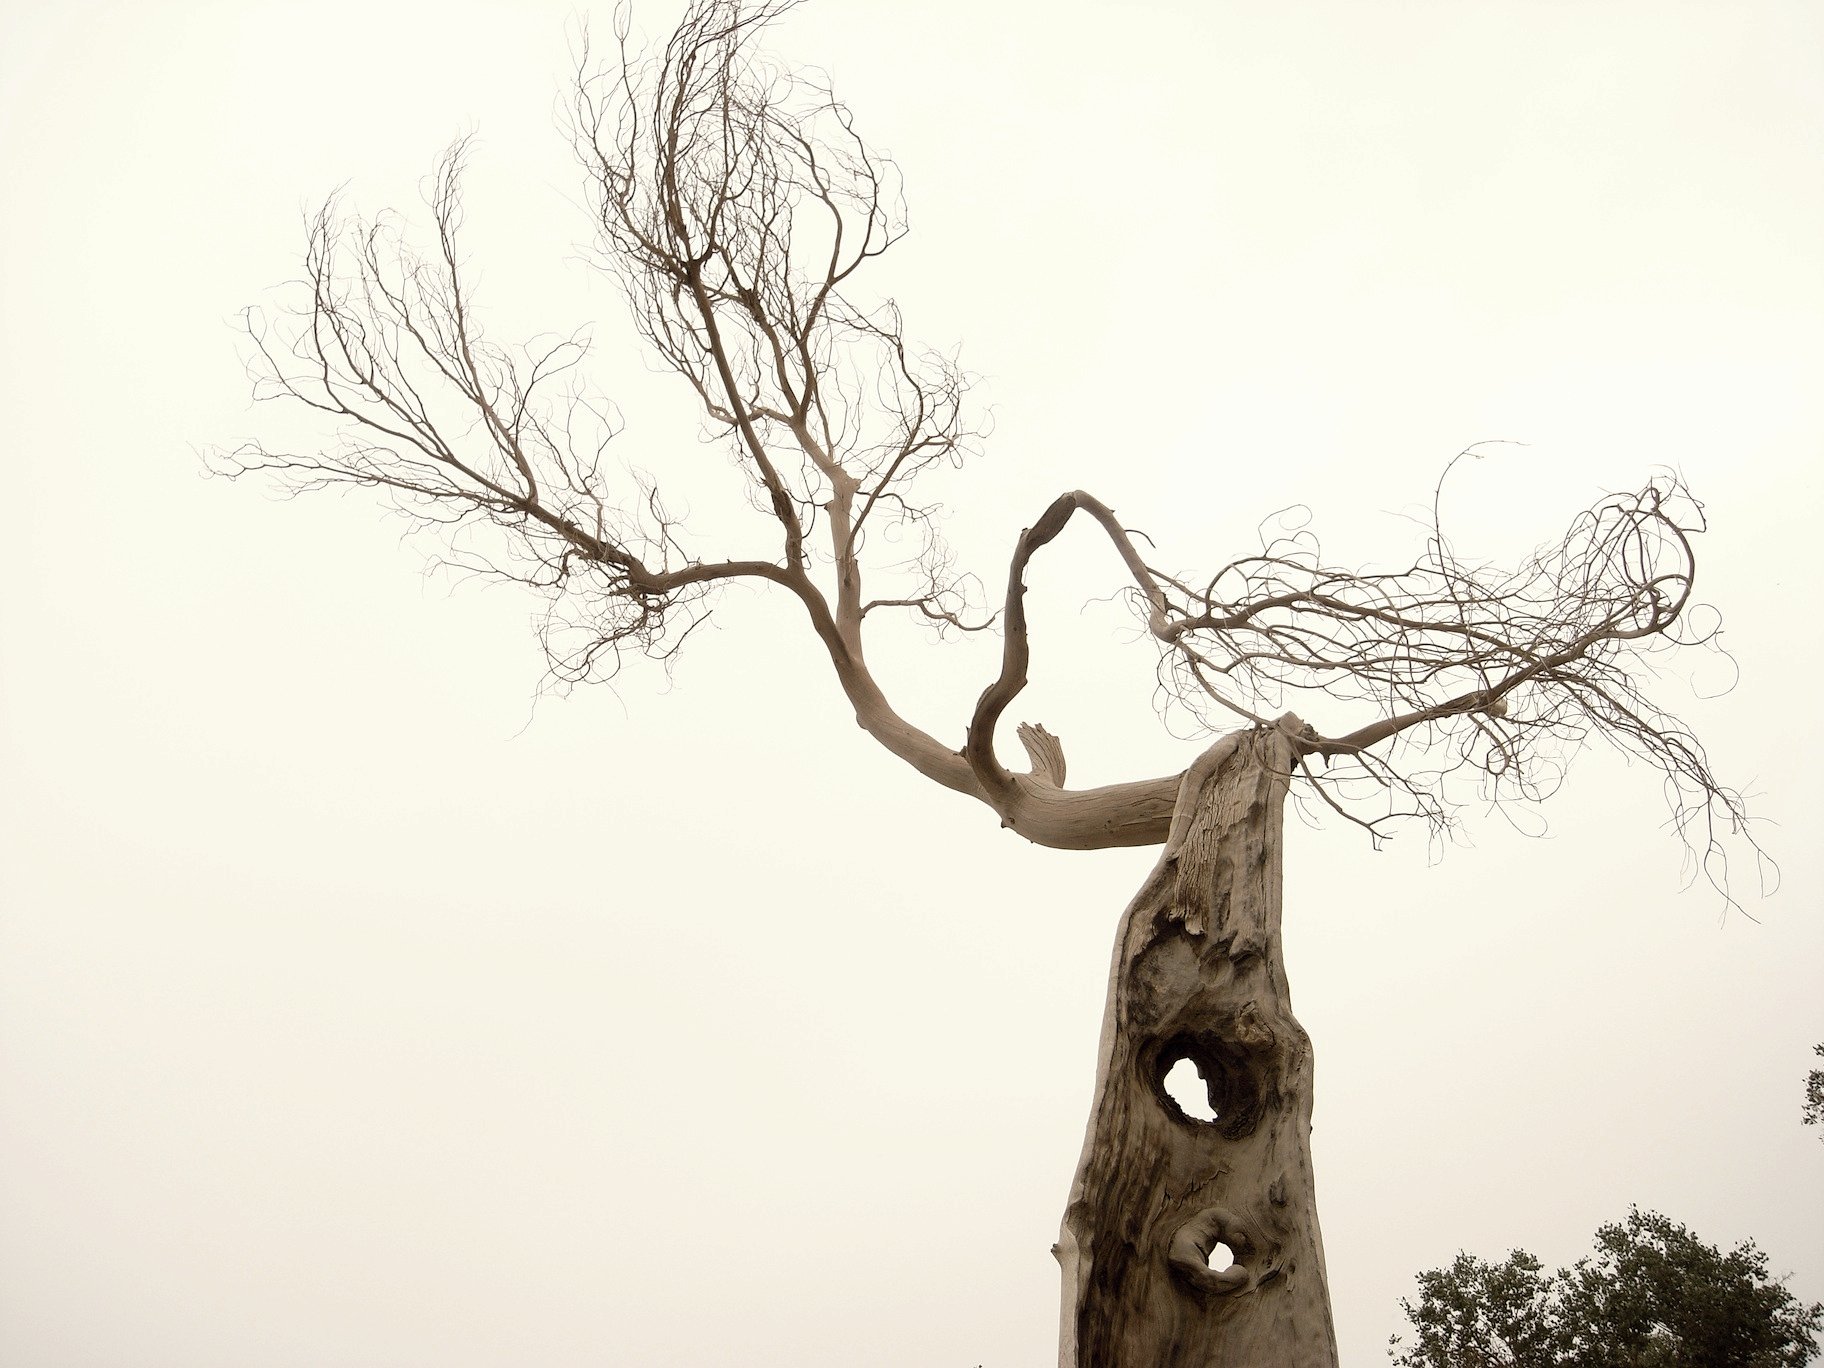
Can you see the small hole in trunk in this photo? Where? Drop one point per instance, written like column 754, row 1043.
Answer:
column 1221, row 1257
column 1185, row 1086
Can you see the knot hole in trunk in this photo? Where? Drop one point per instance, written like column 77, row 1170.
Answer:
column 1209, row 1078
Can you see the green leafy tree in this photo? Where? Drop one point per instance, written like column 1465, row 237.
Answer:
column 1653, row 1295
column 1814, row 1093
column 1476, row 1314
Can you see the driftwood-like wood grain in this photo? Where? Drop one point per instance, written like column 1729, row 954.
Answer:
column 1198, row 975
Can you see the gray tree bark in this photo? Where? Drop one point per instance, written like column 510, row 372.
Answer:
column 1198, row 975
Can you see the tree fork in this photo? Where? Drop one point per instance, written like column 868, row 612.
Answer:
column 1198, row 974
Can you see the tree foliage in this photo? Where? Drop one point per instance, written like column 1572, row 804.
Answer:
column 1653, row 1295
column 1814, row 1092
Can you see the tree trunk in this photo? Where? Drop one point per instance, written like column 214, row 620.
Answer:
column 1198, row 975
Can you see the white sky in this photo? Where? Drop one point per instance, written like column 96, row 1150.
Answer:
column 346, row 1020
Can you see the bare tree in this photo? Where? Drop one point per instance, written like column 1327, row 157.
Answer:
column 741, row 211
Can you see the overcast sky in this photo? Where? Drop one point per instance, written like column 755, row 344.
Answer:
column 355, row 1011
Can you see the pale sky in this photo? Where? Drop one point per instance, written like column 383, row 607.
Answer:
column 355, row 1012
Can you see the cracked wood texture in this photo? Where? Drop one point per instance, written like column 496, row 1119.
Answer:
column 1198, row 975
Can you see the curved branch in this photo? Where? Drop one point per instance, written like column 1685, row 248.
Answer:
column 1127, row 814
column 1016, row 653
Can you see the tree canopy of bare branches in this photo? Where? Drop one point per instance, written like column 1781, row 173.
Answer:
column 744, row 218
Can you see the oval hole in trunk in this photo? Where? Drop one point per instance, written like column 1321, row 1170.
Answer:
column 1185, row 1086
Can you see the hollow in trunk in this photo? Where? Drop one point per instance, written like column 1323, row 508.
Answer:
column 1198, row 976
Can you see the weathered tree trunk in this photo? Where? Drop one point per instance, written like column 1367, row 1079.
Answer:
column 1198, row 975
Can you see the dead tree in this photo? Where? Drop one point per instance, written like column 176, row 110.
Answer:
column 741, row 212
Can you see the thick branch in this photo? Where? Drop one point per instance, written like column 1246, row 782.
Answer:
column 1128, row 814
column 1007, row 793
